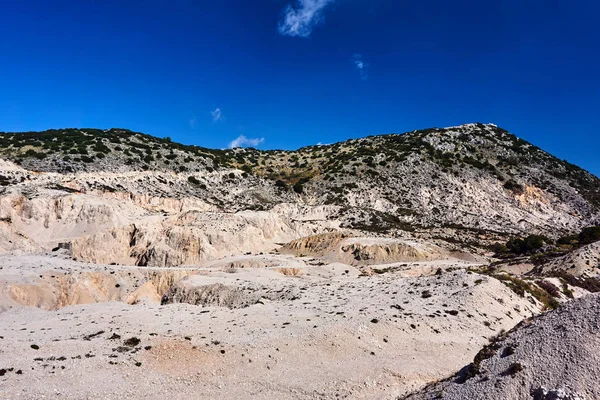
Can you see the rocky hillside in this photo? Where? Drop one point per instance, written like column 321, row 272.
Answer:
column 470, row 184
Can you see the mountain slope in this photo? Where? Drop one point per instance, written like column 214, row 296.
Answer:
column 472, row 178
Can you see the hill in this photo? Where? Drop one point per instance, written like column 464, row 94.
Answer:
column 471, row 177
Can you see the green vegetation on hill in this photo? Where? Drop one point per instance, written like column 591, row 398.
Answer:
column 459, row 153
column 542, row 245
column 67, row 150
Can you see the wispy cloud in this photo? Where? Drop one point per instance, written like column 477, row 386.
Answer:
column 217, row 114
column 243, row 141
column 300, row 20
column 361, row 65
column 193, row 122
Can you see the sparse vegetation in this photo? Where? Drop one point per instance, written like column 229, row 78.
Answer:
column 522, row 287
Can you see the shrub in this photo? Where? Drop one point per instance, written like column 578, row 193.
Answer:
column 485, row 353
column 514, row 187
column 132, row 342
column 281, row 184
column 549, row 287
column 528, row 245
column 34, row 154
column 521, row 287
column 568, row 240
column 298, row 188
column 590, row 284
column 193, row 180
column 589, row 235
column 513, row 369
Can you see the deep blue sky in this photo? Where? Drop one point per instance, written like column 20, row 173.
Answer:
column 530, row 66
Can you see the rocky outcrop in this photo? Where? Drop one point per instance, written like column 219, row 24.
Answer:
column 371, row 251
column 461, row 181
column 351, row 250
column 54, row 290
column 189, row 238
column 206, row 291
column 315, row 245
column 215, row 294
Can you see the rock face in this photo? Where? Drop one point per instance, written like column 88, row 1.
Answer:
column 357, row 250
column 556, row 356
column 207, row 291
column 215, row 294
column 188, row 238
column 52, row 290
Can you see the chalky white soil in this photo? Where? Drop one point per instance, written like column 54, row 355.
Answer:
column 313, row 331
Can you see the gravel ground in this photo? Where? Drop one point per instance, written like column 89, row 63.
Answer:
column 342, row 336
column 556, row 356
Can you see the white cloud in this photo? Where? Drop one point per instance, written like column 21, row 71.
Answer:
column 301, row 20
column 193, row 122
column 217, row 114
column 361, row 65
column 243, row 141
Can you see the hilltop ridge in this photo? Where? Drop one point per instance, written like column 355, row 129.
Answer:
column 472, row 176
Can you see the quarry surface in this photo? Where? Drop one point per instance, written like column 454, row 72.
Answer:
column 312, row 332
column 370, row 269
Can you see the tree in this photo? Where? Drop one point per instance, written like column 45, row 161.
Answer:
column 530, row 244
column 589, row 235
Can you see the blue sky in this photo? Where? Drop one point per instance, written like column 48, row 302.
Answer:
column 289, row 73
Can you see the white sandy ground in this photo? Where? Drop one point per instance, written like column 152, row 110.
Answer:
column 341, row 336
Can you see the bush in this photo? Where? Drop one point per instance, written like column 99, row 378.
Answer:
column 298, row 188
column 549, row 287
column 514, row 187
column 193, row 180
column 568, row 240
column 281, row 184
column 521, row 287
column 590, row 284
column 513, row 369
column 34, row 154
column 528, row 245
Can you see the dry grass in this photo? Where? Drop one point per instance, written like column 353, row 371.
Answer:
column 289, row 271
